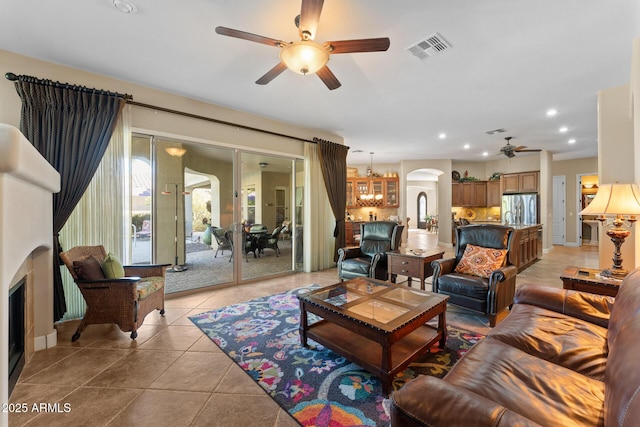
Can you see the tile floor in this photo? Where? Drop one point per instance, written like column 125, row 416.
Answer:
column 173, row 375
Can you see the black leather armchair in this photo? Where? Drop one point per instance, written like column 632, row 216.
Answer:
column 370, row 258
column 485, row 295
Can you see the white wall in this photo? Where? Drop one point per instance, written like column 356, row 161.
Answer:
column 414, row 188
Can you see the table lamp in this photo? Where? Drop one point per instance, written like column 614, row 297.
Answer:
column 616, row 205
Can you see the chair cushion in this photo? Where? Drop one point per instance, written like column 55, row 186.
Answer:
column 359, row 266
column 112, row 267
column 88, row 269
column 464, row 284
column 149, row 285
column 479, row 261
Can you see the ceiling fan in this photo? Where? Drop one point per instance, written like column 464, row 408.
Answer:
column 511, row 150
column 306, row 56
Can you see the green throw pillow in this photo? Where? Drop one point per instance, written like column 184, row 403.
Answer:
column 112, row 268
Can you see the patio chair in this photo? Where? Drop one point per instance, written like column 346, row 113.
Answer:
column 221, row 240
column 270, row 241
column 249, row 244
column 124, row 301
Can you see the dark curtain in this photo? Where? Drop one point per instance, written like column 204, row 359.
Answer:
column 333, row 160
column 71, row 127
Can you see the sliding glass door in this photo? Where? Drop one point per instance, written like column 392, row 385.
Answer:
column 210, row 220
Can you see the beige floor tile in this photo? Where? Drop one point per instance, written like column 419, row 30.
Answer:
column 239, row 411
column 185, row 321
column 205, row 344
column 45, row 358
column 122, row 340
column 159, row 408
column 173, row 338
column 139, row 369
column 88, row 336
column 78, row 368
column 30, row 394
column 88, row 406
column 189, row 301
column 194, row 372
column 237, row 381
column 170, row 316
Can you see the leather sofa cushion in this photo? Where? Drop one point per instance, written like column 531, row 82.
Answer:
column 463, row 284
column 542, row 391
column 566, row 341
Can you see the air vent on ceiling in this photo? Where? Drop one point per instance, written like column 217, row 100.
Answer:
column 429, row 46
column 493, row 132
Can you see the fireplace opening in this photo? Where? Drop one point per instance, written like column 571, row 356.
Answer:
column 16, row 333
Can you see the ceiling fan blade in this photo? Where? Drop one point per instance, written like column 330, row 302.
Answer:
column 328, row 78
column 309, row 17
column 272, row 74
column 249, row 36
column 531, row 150
column 361, row 45
column 520, row 147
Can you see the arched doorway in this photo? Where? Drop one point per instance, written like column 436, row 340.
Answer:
column 422, row 210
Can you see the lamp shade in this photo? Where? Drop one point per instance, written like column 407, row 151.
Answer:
column 615, row 199
column 304, row 57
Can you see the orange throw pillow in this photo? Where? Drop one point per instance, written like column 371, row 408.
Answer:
column 479, row 261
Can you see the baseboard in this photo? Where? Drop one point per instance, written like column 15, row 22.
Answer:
column 46, row 341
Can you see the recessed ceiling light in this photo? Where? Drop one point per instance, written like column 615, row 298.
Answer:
column 442, row 135
column 563, row 129
column 467, row 146
column 552, row 112
column 572, row 141
column 486, row 153
column 125, row 6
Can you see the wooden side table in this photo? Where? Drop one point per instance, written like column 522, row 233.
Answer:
column 411, row 263
column 584, row 279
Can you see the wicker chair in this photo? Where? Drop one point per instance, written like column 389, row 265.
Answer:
column 125, row 301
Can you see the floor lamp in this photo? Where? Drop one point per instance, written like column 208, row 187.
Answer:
column 176, row 267
column 617, row 205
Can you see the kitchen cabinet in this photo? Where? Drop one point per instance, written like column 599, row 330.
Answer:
column 525, row 182
column 386, row 190
column 456, row 194
column 529, row 182
column 494, row 198
column 469, row 193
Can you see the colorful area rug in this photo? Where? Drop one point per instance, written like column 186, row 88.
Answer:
column 315, row 385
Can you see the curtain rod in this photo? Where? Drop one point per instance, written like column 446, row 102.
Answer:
column 129, row 100
column 13, row 77
column 210, row 119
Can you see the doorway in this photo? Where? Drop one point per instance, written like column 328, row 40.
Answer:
column 422, row 210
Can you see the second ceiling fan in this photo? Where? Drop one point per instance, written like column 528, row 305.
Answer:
column 306, row 56
column 511, row 150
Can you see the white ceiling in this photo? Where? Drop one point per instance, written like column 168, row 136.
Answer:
column 510, row 61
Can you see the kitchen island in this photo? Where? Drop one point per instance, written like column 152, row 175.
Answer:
column 526, row 247
column 527, row 243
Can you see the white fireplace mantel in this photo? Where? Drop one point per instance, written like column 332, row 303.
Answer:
column 27, row 184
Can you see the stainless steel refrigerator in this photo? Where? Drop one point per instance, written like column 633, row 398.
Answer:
column 520, row 209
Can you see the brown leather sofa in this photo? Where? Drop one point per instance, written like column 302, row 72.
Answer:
column 559, row 358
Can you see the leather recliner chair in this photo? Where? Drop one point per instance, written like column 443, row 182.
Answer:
column 490, row 295
column 370, row 258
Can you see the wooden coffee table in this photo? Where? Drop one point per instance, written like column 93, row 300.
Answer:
column 377, row 325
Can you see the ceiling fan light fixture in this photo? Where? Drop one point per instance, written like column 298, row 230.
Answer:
column 304, row 57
